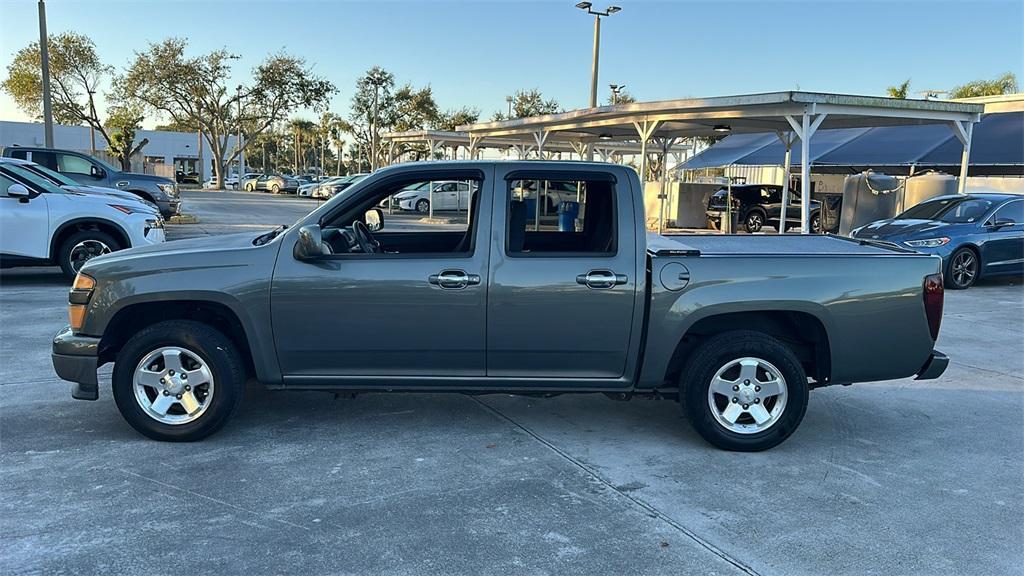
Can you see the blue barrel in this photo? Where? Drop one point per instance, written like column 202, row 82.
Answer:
column 567, row 213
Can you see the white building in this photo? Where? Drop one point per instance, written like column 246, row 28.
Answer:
column 180, row 149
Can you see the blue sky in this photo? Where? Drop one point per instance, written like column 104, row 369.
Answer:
column 475, row 53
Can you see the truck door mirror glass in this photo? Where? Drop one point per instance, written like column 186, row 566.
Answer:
column 374, row 219
column 18, row 191
column 97, row 172
column 310, row 245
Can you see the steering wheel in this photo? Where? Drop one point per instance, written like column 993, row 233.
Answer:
column 367, row 243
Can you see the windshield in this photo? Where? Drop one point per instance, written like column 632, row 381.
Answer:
column 952, row 210
column 38, row 180
column 52, row 175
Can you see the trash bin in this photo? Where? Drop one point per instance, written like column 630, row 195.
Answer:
column 530, row 204
column 567, row 213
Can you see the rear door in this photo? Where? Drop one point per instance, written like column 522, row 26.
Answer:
column 561, row 304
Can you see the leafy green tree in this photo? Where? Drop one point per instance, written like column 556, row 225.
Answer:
column 529, row 103
column 900, row 91
column 122, row 124
column 1005, row 84
column 193, row 89
column 76, row 75
column 452, row 118
column 623, row 97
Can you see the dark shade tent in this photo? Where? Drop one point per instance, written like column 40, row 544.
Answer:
column 997, row 149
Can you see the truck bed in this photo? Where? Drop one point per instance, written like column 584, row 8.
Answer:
column 767, row 244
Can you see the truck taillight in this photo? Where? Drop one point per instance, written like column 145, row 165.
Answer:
column 933, row 297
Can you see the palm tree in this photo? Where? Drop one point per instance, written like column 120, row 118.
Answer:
column 899, row 91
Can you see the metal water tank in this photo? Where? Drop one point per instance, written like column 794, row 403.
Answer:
column 867, row 197
column 926, row 186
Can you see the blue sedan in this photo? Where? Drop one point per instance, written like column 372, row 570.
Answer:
column 975, row 234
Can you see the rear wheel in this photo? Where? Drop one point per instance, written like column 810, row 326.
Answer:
column 816, row 223
column 963, row 269
column 178, row 380
column 83, row 246
column 744, row 391
column 754, row 222
column 250, row 188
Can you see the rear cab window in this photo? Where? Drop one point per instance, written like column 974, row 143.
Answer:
column 561, row 217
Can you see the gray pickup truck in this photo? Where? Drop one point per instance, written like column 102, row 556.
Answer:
column 507, row 297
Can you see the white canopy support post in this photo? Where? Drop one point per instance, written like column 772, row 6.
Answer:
column 805, row 130
column 433, row 146
column 963, row 130
column 787, row 140
column 540, row 137
column 391, row 152
column 474, row 142
column 644, row 130
column 666, row 146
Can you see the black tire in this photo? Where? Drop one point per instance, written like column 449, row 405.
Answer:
column 963, row 270
column 754, row 221
column 423, row 206
column 275, row 189
column 71, row 264
column 719, row 351
column 250, row 188
column 213, row 347
column 816, row 222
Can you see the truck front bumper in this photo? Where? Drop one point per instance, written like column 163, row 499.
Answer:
column 75, row 360
column 934, row 367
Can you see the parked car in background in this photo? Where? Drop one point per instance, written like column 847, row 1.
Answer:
column 976, row 234
column 606, row 307
column 231, row 181
column 44, row 224
column 68, row 184
column 448, row 195
column 758, row 205
column 335, row 186
column 182, row 177
column 90, row 171
column 274, row 183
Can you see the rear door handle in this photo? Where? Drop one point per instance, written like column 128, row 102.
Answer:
column 453, row 279
column 601, row 279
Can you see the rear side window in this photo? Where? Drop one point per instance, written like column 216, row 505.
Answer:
column 20, row 154
column 561, row 217
column 48, row 159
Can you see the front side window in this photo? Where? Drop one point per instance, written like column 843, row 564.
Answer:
column 29, row 177
column 1014, row 211
column 69, row 164
column 560, row 217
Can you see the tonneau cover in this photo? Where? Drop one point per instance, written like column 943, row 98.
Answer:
column 780, row 244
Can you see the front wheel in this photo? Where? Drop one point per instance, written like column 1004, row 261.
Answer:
column 250, row 188
column 744, row 391
column 963, row 269
column 423, row 206
column 178, row 380
column 816, row 223
column 275, row 189
column 81, row 247
column 754, row 222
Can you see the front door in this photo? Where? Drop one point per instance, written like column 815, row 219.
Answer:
column 412, row 315
column 24, row 223
column 561, row 302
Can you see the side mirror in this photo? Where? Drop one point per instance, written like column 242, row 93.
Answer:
column 18, row 191
column 374, row 219
column 310, row 244
column 97, row 172
column 1001, row 223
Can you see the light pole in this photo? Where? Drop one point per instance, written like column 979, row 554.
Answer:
column 241, row 152
column 616, row 88
column 509, row 100
column 589, row 8
column 44, row 57
column 377, row 81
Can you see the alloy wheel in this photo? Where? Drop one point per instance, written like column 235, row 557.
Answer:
column 173, row 385
column 87, row 250
column 747, row 395
column 964, row 268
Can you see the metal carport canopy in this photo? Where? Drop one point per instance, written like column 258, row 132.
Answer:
column 789, row 115
column 523, row 143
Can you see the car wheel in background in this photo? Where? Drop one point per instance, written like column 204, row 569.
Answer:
column 423, row 206
column 816, row 223
column 275, row 189
column 754, row 222
column 250, row 188
column 963, row 269
column 234, row 186
column 178, row 380
column 81, row 247
column 744, row 391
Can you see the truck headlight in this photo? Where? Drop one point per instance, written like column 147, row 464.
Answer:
column 168, row 189
column 927, row 243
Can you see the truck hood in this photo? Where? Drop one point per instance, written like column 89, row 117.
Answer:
column 157, row 257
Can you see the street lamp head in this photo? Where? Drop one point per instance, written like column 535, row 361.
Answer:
column 613, row 9
column 584, row 5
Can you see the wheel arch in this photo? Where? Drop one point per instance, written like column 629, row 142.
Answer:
column 802, row 331
column 69, row 227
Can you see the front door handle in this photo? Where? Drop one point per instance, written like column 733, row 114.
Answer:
column 601, row 279
column 453, row 279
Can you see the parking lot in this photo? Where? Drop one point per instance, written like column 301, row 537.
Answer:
column 898, row 477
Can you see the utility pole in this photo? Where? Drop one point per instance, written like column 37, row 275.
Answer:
column 373, row 129
column 509, row 99
column 44, row 56
column 588, row 7
column 92, row 127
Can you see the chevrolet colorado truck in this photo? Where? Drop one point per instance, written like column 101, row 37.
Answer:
column 506, row 300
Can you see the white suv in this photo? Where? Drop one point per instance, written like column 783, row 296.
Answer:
column 42, row 223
